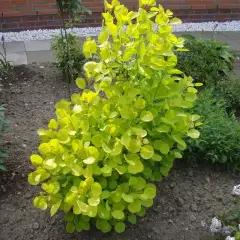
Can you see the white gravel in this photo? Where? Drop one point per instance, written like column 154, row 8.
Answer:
column 83, row 32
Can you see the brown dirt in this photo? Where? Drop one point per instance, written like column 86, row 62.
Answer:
column 185, row 203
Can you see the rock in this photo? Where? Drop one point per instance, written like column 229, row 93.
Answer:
column 24, row 145
column 149, row 236
column 236, row 190
column 194, row 207
column 192, row 218
column 36, row 226
column 172, row 185
column 28, row 195
column 179, row 201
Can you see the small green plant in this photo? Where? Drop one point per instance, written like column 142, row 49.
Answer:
column 98, row 160
column 67, row 47
column 3, row 127
column 231, row 220
column 220, row 133
column 5, row 65
column 207, row 61
column 75, row 63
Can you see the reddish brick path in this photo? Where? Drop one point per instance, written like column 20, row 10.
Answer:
column 35, row 14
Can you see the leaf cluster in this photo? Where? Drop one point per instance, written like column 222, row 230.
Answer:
column 99, row 158
column 207, row 61
column 220, row 133
column 68, row 53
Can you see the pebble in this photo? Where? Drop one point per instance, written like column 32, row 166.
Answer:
column 36, row 226
column 179, row 201
column 194, row 207
column 42, row 34
column 172, row 185
column 28, row 195
column 192, row 218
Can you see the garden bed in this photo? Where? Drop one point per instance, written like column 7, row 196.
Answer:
column 184, row 205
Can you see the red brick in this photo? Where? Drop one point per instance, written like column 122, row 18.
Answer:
column 43, row 13
column 19, row 2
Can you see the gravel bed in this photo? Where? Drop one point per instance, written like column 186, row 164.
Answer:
column 83, row 32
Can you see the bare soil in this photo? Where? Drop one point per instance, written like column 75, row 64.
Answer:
column 185, row 203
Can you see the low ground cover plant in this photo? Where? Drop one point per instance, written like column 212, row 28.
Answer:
column 99, row 158
column 220, row 133
column 207, row 61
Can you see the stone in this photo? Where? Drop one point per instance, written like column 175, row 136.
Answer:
column 192, row 218
column 172, row 185
column 28, row 195
column 194, row 207
column 179, row 201
column 36, row 226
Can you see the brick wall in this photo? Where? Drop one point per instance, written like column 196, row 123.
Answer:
column 18, row 15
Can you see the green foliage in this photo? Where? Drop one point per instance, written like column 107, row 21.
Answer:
column 220, row 133
column 231, row 219
column 229, row 90
column 3, row 127
column 73, row 60
column 67, row 47
column 207, row 61
column 5, row 65
column 71, row 7
column 98, row 159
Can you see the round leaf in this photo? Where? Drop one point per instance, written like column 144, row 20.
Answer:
column 193, row 133
column 120, row 227
column 81, row 83
column 146, row 116
column 117, row 214
column 36, row 160
column 147, row 152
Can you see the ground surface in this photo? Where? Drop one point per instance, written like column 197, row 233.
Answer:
column 185, row 202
